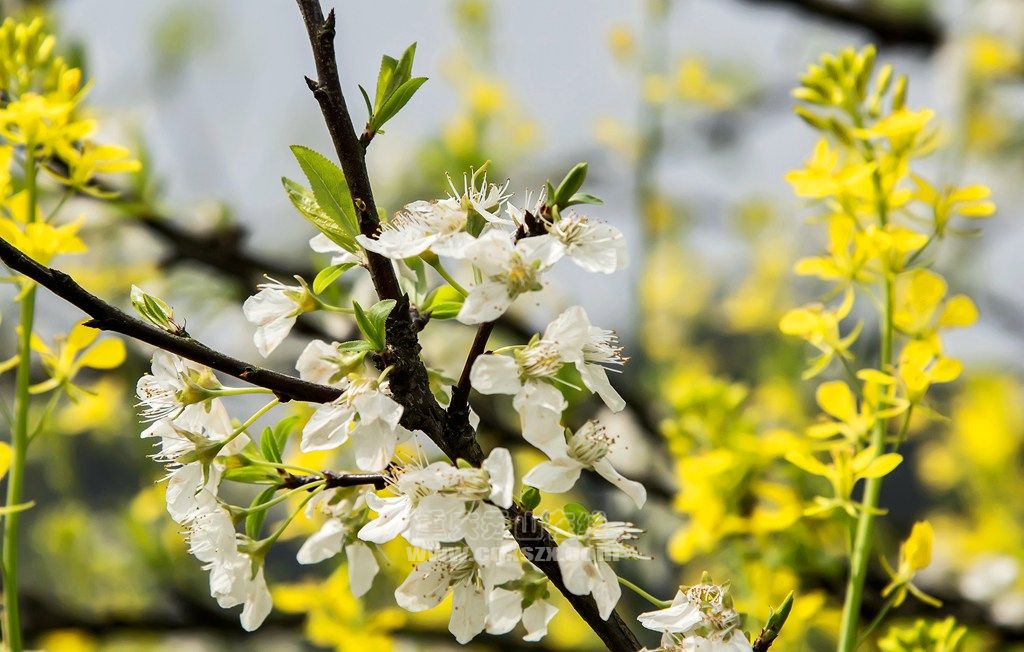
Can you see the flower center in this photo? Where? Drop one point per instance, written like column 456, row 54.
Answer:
column 539, row 360
column 590, row 444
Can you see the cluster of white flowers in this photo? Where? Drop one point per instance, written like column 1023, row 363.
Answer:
column 456, row 513
column 700, row 619
column 193, row 429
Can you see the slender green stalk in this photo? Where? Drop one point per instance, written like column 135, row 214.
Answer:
column 448, row 277
column 660, row 604
column 862, row 539
column 248, row 423
column 19, row 439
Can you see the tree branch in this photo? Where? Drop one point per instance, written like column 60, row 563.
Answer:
column 409, row 381
column 107, row 317
column 887, row 27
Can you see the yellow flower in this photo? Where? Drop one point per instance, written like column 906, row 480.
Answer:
column 91, row 159
column 848, row 259
column 915, row 555
column 74, row 353
column 94, row 409
column 892, row 245
column 837, row 401
column 922, row 309
column 989, row 56
column 41, row 241
column 843, row 473
column 819, row 326
column 967, row 201
column 920, row 367
column 42, row 124
column 823, row 175
column 901, row 126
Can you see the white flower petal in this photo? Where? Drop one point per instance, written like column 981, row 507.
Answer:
column 486, row 302
column 504, row 609
column 502, row 476
column 536, row 618
column 636, row 491
column 393, row 516
column 362, row 567
column 557, row 476
column 469, row 611
column 495, row 374
column 323, row 544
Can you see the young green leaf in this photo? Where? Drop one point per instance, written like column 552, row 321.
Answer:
column 394, row 103
column 329, row 187
column 572, row 182
column 443, row 303
column 372, row 334
column 282, row 431
column 268, row 446
column 355, row 346
column 385, row 78
column 254, row 519
column 306, row 204
column 329, row 275
column 582, row 198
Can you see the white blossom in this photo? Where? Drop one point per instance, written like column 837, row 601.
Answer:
column 325, row 364
column 587, row 448
column 438, row 226
column 333, row 537
column 233, row 578
column 468, row 577
column 594, row 246
column 508, row 271
column 364, row 414
column 699, row 619
column 528, row 376
column 274, row 310
column 598, row 351
column 173, row 385
column 505, row 610
column 442, row 504
column 583, row 560
column 321, row 244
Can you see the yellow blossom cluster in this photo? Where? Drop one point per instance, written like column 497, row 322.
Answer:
column 883, row 222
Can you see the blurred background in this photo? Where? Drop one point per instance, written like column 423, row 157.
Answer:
column 682, row 109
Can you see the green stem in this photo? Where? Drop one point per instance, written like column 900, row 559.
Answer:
column 283, row 497
column 251, row 420
column 448, row 277
column 876, row 621
column 239, row 391
column 19, row 438
column 872, row 490
column 661, row 604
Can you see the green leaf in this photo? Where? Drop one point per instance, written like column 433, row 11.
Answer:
column 443, row 303
column 306, row 204
column 578, row 517
column 367, row 328
column 366, row 100
column 329, row 275
column 384, row 79
column 378, row 312
column 404, row 70
column 583, row 198
column 530, row 498
column 252, row 474
column 394, row 103
column 329, row 187
column 254, row 519
column 282, row 431
column 572, row 182
column 355, row 346
column 268, row 446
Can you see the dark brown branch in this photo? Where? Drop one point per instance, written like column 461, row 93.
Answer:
column 107, row 317
column 334, row 480
column 410, row 384
column 886, row 27
column 351, row 153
